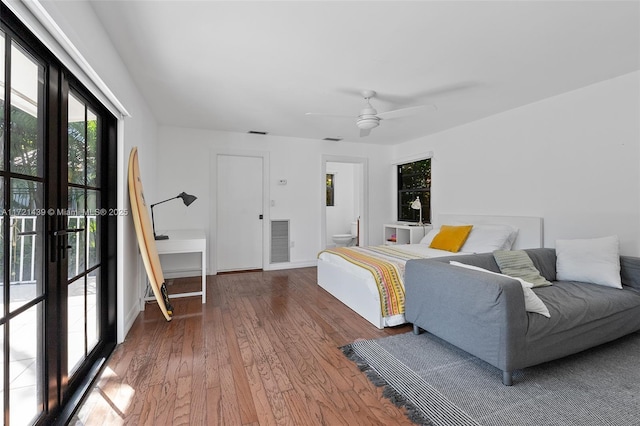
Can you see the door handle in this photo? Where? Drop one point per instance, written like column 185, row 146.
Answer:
column 62, row 232
column 61, row 244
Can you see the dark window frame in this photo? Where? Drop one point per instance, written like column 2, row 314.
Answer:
column 414, row 180
column 331, row 194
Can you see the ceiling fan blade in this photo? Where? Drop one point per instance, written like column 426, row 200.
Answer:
column 364, row 132
column 399, row 99
column 402, row 112
column 322, row 114
column 448, row 88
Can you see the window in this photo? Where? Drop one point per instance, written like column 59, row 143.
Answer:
column 414, row 180
column 330, row 190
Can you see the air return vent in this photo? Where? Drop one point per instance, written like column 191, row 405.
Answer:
column 279, row 241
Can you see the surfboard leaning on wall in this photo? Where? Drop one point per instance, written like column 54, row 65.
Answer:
column 144, row 233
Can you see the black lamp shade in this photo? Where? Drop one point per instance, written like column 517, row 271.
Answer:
column 187, row 199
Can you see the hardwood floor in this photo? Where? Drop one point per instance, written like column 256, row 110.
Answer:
column 263, row 350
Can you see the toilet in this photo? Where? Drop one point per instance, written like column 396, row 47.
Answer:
column 342, row 240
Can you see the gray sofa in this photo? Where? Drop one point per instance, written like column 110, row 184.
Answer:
column 484, row 314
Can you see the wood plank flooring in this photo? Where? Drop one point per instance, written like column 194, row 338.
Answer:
column 263, row 350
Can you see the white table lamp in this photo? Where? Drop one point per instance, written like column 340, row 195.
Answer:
column 417, row 205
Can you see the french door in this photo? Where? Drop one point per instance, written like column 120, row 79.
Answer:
column 57, row 282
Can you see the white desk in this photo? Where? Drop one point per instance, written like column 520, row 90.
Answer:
column 191, row 241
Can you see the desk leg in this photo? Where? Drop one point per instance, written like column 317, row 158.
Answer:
column 204, row 276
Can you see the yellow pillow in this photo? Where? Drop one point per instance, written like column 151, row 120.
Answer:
column 451, row 238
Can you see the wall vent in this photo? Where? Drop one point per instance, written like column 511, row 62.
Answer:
column 279, row 241
column 257, row 132
column 332, row 139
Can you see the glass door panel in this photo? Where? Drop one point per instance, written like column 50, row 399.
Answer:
column 76, row 323
column 2, row 90
column 2, row 371
column 76, row 157
column 22, row 233
column 93, row 171
column 2, row 245
column 27, row 78
column 92, row 298
column 76, row 240
column 25, row 242
column 25, row 371
column 84, row 220
column 93, row 214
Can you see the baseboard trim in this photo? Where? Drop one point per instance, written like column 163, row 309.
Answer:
column 290, row 265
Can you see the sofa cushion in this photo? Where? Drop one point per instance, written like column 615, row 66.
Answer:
column 544, row 259
column 630, row 271
column 578, row 305
column 517, row 263
column 582, row 316
column 595, row 261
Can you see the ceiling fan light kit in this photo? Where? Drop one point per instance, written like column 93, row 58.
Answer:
column 367, row 119
column 368, row 122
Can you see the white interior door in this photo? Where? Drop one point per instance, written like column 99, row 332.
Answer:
column 239, row 234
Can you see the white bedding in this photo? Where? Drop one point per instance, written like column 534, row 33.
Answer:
column 356, row 287
column 421, row 250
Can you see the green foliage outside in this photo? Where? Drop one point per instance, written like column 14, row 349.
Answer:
column 414, row 180
column 26, row 158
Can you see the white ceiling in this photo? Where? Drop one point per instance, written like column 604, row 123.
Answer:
column 240, row 66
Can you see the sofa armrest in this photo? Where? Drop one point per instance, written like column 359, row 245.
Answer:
column 481, row 313
column 630, row 271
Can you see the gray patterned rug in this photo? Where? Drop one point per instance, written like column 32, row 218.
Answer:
column 443, row 385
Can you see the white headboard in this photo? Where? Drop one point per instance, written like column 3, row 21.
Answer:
column 530, row 231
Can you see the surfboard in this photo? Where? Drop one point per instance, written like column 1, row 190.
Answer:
column 146, row 241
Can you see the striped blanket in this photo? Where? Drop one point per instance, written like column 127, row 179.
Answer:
column 386, row 264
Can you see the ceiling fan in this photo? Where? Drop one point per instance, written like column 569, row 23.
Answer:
column 370, row 119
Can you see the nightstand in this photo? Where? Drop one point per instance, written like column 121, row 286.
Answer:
column 405, row 234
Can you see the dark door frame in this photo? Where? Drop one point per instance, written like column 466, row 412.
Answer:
column 61, row 395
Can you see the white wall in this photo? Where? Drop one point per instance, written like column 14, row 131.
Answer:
column 573, row 159
column 78, row 21
column 185, row 163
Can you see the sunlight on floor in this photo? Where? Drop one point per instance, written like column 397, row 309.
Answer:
column 110, row 401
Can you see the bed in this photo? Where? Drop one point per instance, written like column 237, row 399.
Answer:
column 356, row 286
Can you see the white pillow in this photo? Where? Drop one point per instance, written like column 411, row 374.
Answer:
column 595, row 261
column 489, row 238
column 532, row 302
column 430, row 236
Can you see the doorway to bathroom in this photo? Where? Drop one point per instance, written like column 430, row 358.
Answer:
column 344, row 206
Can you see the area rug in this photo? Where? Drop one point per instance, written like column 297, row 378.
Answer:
column 440, row 384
